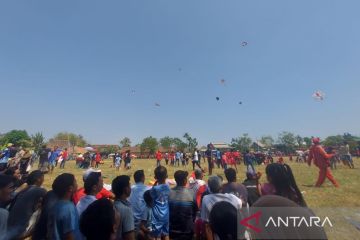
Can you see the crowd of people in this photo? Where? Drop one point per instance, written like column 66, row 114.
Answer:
column 193, row 209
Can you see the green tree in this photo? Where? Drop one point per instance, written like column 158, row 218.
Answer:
column 17, row 137
column 166, row 142
column 332, row 141
column 37, row 141
column 307, row 141
column 149, row 144
column 73, row 139
column 268, row 141
column 191, row 142
column 287, row 141
column 242, row 143
column 179, row 144
column 125, row 142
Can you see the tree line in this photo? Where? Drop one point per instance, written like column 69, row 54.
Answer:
column 286, row 142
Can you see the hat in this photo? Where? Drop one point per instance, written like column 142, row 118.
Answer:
column 87, row 173
column 214, row 184
column 10, row 144
column 316, row 140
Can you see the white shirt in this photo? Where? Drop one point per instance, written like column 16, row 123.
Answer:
column 196, row 157
column 210, row 200
column 84, row 203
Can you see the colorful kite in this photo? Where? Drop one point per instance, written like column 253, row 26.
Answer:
column 318, row 95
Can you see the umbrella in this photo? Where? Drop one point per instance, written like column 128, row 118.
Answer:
column 89, row 149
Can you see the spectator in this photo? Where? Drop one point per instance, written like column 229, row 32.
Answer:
column 253, row 186
column 160, row 212
column 196, row 181
column 4, row 157
column 25, row 206
column 283, row 183
column 53, row 158
column 64, row 156
column 40, row 232
column 182, row 208
column 223, row 221
column 233, row 187
column 6, row 187
column 137, row 197
column 44, row 159
column 196, row 160
column 121, row 188
column 100, row 220
column 92, row 186
column 209, row 201
column 64, row 219
column 81, row 192
column 19, row 184
column 145, row 224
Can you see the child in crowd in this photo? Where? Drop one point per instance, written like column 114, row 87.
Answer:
column 145, row 225
column 160, row 211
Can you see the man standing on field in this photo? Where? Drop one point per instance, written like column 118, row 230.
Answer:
column 321, row 160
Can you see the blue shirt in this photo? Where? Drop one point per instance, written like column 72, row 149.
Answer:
column 53, row 156
column 137, row 202
column 218, row 154
column 160, row 211
column 63, row 219
column 6, row 155
column 177, row 155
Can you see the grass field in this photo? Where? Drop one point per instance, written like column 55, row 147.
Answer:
column 325, row 200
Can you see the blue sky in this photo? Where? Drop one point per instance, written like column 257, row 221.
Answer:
column 71, row 66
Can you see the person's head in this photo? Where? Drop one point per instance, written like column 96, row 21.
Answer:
column 55, row 148
column 223, row 220
column 13, row 171
column 148, row 199
column 121, row 186
column 6, row 187
column 281, row 176
column 65, row 149
column 346, row 143
column 139, row 176
column 99, row 220
column 316, row 141
column 64, row 186
column 44, row 146
column 199, row 174
column 93, row 183
column 230, row 175
column 35, row 178
column 160, row 174
column 181, row 178
column 214, row 183
column 88, row 172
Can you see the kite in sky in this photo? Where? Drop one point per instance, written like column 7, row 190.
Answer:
column 157, row 104
column 222, row 81
column 318, row 95
column 243, row 44
column 217, row 98
column 240, row 103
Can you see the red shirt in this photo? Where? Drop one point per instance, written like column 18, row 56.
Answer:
column 81, row 193
column 158, row 156
column 320, row 157
column 65, row 155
